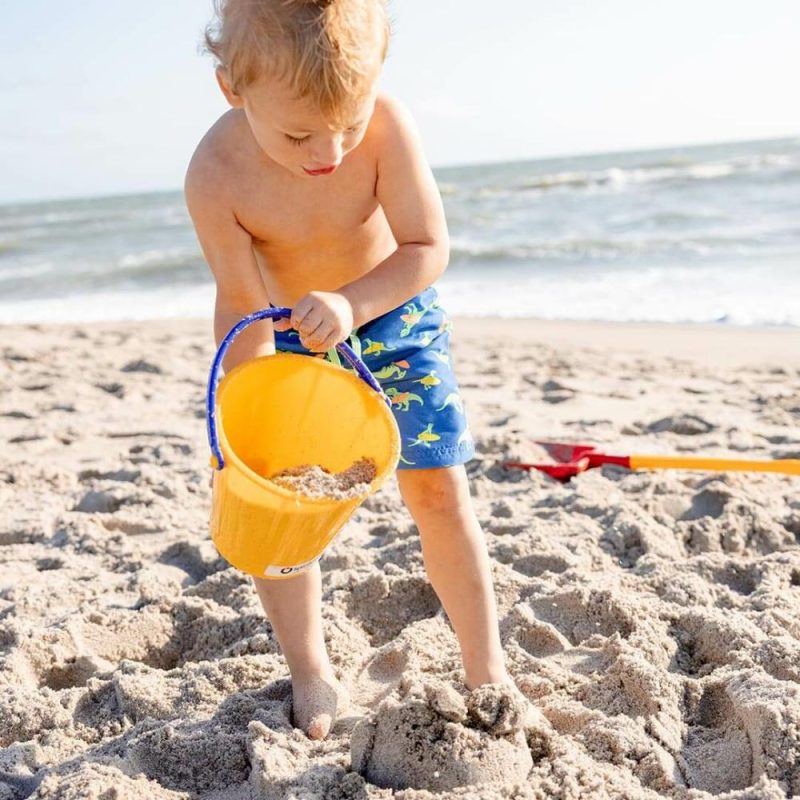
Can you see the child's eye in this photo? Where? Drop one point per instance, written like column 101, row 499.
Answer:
column 293, row 140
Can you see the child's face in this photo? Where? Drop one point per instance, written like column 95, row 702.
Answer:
column 291, row 132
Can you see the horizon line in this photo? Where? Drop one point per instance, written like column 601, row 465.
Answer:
column 460, row 165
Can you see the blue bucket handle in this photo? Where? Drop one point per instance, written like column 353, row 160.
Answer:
column 213, row 379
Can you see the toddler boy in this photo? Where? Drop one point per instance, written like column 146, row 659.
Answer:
column 313, row 192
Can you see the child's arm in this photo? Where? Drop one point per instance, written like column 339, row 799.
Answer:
column 407, row 191
column 228, row 249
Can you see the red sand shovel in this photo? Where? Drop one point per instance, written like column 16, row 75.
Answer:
column 576, row 458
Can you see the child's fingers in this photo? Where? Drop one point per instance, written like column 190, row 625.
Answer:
column 311, row 324
column 310, row 334
column 283, row 324
column 300, row 312
column 326, row 342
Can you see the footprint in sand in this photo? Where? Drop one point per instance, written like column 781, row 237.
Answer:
column 385, row 604
column 682, row 424
column 112, row 388
column 706, row 639
column 101, row 502
column 579, row 614
column 555, row 392
column 140, row 365
column 716, row 754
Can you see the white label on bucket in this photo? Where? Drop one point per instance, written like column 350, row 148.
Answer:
column 275, row 571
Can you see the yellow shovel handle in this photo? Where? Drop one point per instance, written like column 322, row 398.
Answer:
column 788, row 466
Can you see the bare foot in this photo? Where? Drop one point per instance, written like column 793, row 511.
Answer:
column 499, row 676
column 501, row 708
column 315, row 701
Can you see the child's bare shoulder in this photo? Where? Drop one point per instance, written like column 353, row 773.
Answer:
column 391, row 120
column 218, row 154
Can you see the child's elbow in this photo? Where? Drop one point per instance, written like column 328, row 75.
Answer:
column 441, row 255
column 432, row 253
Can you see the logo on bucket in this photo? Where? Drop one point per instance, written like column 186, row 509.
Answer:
column 276, row 572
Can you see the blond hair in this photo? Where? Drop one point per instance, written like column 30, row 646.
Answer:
column 327, row 51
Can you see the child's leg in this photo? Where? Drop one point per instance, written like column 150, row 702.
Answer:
column 293, row 607
column 454, row 551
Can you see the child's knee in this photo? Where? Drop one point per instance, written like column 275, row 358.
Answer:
column 438, row 487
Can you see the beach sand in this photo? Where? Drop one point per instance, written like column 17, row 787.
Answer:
column 652, row 618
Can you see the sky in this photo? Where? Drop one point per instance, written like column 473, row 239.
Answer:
column 104, row 97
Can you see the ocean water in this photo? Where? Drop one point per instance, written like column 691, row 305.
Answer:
column 691, row 234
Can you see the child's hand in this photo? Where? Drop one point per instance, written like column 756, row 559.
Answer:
column 323, row 320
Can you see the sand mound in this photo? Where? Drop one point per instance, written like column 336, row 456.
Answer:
column 433, row 738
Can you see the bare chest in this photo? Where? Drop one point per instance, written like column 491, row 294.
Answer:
column 319, row 234
column 290, row 215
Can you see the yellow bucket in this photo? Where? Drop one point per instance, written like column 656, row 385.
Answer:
column 279, row 411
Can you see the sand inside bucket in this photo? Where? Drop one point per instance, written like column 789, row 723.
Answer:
column 312, row 480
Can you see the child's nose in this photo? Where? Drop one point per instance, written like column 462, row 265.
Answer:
column 329, row 153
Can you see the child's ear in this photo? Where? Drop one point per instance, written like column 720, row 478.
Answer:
column 231, row 96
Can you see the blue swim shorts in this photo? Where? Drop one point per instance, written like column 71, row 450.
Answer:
column 407, row 350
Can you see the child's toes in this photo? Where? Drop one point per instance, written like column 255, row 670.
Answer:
column 315, row 703
column 319, row 726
